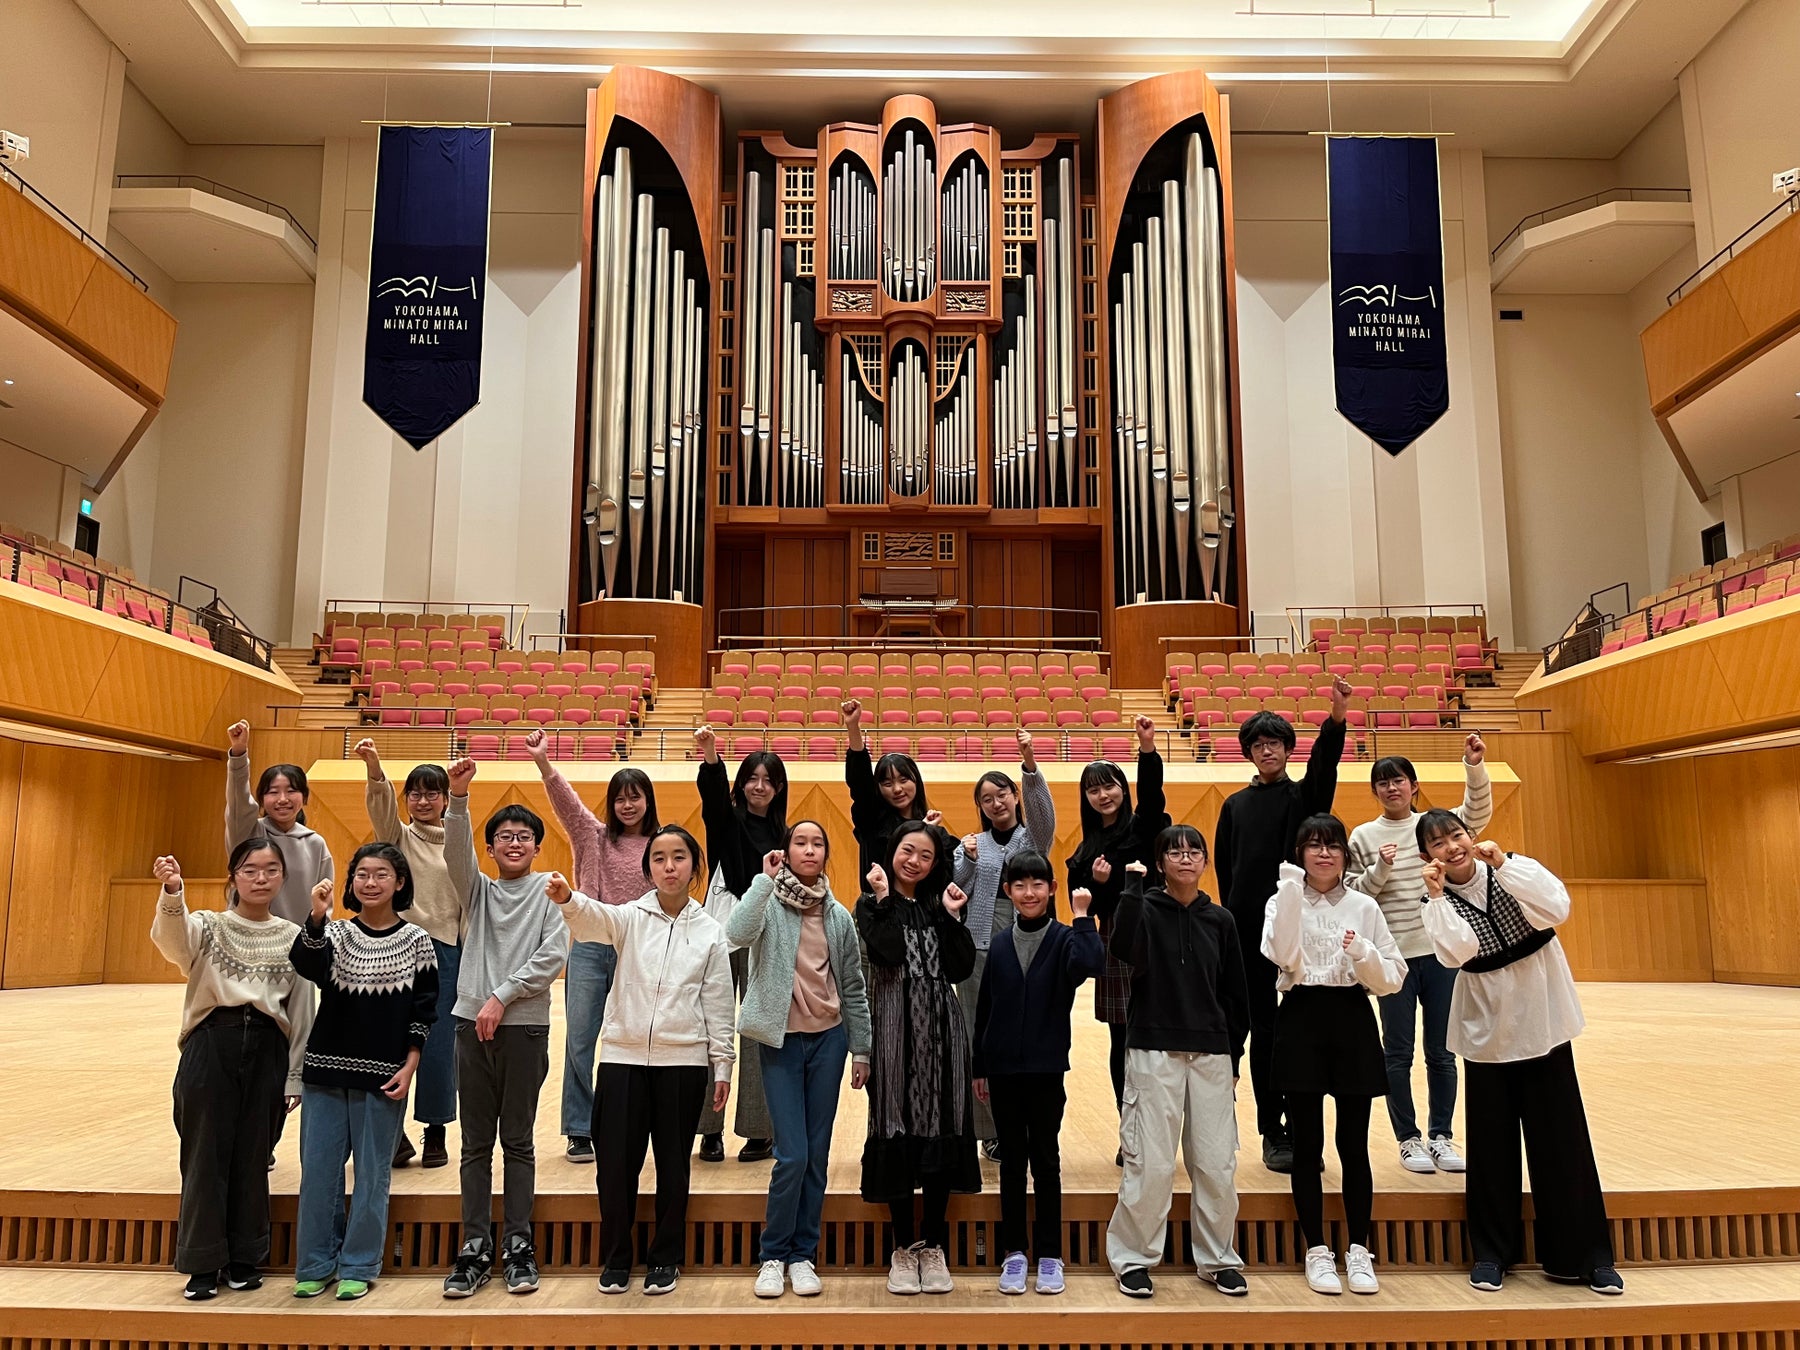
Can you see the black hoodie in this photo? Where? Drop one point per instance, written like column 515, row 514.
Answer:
column 1187, row 974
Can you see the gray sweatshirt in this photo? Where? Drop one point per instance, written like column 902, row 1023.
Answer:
column 307, row 856
column 514, row 939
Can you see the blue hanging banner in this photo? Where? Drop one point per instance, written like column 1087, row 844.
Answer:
column 1387, row 286
column 427, row 278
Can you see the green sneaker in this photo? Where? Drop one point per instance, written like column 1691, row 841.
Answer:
column 349, row 1289
column 310, row 1288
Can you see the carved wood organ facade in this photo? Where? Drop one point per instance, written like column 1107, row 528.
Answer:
column 907, row 366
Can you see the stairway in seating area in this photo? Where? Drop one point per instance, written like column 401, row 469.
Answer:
column 321, row 705
column 1495, row 708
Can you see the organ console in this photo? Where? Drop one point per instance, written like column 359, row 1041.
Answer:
column 909, row 348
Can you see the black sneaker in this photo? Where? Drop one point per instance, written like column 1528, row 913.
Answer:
column 990, row 1149
column 1606, row 1280
column 520, row 1264
column 1119, row 1158
column 580, row 1149
column 242, row 1276
column 1135, row 1283
column 474, row 1268
column 756, row 1150
column 436, row 1152
column 404, row 1152
column 1278, row 1153
column 1230, row 1282
column 661, row 1279
column 712, row 1148
column 202, row 1287
column 1487, row 1277
column 614, row 1281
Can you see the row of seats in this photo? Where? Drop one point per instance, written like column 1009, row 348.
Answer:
column 455, row 683
column 1418, row 712
column 724, row 710
column 1721, row 572
column 103, row 590
column 898, row 661
column 1466, row 649
column 1362, row 687
column 1308, row 672
column 511, row 671
column 792, row 684
column 1675, row 615
column 402, row 709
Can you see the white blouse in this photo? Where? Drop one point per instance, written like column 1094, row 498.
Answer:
column 1521, row 1011
column 1303, row 934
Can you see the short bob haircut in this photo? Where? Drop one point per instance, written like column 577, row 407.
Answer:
column 1099, row 774
column 693, row 847
column 403, row 878
column 427, row 778
column 1173, row 837
column 787, row 838
column 625, row 780
column 1266, row 726
column 1389, row 768
column 1437, row 824
column 1027, row 865
column 296, row 777
column 942, row 868
column 896, row 765
column 769, row 761
column 514, row 815
column 1321, row 829
column 256, row 843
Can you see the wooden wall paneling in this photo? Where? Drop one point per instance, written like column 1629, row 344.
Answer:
column 1027, row 574
column 1752, row 842
column 1638, row 930
column 131, row 957
column 42, row 267
column 1764, row 281
column 1138, row 651
column 1691, row 340
column 126, row 328
column 828, row 577
column 788, row 572
column 12, row 757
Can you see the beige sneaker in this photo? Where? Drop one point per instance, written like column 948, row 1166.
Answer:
column 903, row 1272
column 934, row 1272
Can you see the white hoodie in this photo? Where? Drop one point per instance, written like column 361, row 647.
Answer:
column 671, row 1000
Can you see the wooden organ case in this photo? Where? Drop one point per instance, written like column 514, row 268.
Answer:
column 948, row 391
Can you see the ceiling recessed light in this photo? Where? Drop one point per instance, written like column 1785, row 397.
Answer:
column 1796, row 395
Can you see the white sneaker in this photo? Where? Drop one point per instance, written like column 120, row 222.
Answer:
column 934, row 1272
column 804, row 1278
column 1359, row 1270
column 1415, row 1157
column 1321, row 1271
column 903, row 1272
column 1444, row 1154
column 771, row 1280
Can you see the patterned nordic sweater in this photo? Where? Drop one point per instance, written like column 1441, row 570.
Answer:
column 377, row 999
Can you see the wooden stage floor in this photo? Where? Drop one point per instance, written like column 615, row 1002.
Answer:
column 1688, row 1088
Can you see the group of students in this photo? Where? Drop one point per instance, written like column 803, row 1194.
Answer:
column 948, row 993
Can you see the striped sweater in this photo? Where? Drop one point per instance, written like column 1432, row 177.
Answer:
column 1400, row 886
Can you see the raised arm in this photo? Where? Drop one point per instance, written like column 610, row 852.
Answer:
column 588, row 920
column 1282, row 922
column 1084, row 955
column 580, row 826
column 459, row 836
column 1477, row 807
column 176, row 933
column 1152, row 816
column 240, row 807
column 1040, row 807
column 378, row 794
column 1318, row 790
column 716, row 812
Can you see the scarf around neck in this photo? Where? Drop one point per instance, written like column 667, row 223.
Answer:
column 796, row 894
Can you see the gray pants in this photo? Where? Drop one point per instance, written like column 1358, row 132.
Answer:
column 966, row 994
column 497, row 1086
column 752, row 1110
column 1171, row 1098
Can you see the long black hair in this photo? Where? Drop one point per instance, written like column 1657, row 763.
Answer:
column 932, row 888
column 616, row 787
column 903, row 766
column 1098, row 774
column 769, row 761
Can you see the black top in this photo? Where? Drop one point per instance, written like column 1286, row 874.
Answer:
column 883, row 924
column 1129, row 839
column 1022, row 1017
column 873, row 818
column 1187, row 974
column 736, row 840
column 377, row 999
column 1258, row 824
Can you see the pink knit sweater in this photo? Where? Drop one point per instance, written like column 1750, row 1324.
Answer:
column 607, row 869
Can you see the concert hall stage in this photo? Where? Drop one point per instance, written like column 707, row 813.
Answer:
column 1690, row 1090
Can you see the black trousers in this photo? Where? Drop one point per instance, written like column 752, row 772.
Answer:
column 934, row 1230
column 1115, row 1060
column 1541, row 1099
column 635, row 1105
column 1306, row 1118
column 1260, row 974
column 1028, row 1115
column 228, row 1099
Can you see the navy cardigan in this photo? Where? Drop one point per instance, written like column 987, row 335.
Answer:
column 1021, row 1019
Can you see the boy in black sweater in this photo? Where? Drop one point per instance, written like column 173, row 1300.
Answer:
column 1022, row 1038
column 1184, row 1036
column 1257, row 828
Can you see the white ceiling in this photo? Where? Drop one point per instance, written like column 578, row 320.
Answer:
column 1750, row 418
column 61, row 407
column 1019, row 67
column 1605, row 250
column 195, row 236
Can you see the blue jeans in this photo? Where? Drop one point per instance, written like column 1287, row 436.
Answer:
column 1428, row 984
column 336, row 1125
column 434, row 1085
column 800, row 1082
column 585, row 987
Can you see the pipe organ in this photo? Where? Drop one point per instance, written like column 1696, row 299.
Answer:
column 909, row 317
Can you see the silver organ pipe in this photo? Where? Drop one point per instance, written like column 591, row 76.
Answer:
column 965, row 224
column 801, row 449
column 909, row 420
column 860, row 432
column 647, row 342
column 955, row 436
column 852, row 224
column 909, row 220
column 749, row 328
column 1171, row 386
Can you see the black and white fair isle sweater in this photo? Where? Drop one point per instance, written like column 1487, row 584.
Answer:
column 377, row 999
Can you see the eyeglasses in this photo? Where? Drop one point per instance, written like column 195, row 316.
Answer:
column 1186, row 855
column 511, row 838
column 259, row 873
column 422, row 794
column 1323, row 846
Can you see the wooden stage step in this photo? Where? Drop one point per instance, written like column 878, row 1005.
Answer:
column 1667, row 1308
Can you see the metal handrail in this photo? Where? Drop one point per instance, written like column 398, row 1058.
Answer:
column 649, row 639
column 843, row 612
column 229, row 633
column 1786, row 206
column 25, row 189
column 1587, row 203
column 516, row 611
column 1228, row 639
column 207, row 185
column 1298, row 615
